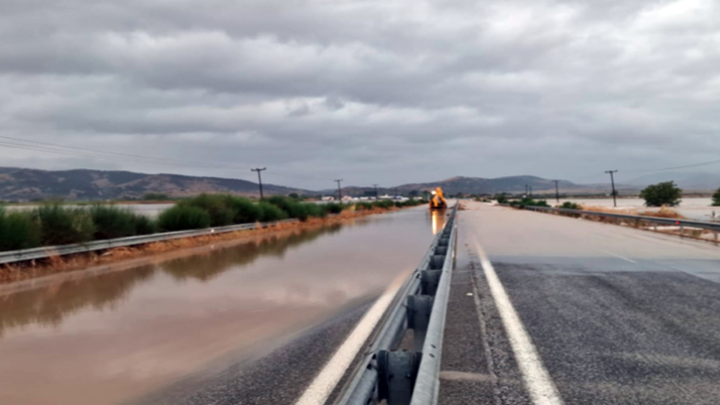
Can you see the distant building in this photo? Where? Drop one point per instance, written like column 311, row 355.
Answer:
column 327, row 198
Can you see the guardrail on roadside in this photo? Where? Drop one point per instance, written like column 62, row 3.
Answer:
column 636, row 219
column 45, row 252
column 385, row 373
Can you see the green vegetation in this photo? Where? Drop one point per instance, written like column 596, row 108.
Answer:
column 571, row 206
column 528, row 202
column 18, row 230
column 666, row 193
column 181, row 218
column 334, row 208
column 271, row 212
column 716, row 199
column 218, row 206
column 56, row 224
column 501, row 198
column 245, row 210
column 61, row 225
column 112, row 222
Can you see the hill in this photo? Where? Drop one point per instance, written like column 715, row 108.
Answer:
column 30, row 184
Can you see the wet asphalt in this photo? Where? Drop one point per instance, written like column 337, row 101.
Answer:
column 618, row 316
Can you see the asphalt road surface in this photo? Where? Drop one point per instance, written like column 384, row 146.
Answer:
column 551, row 310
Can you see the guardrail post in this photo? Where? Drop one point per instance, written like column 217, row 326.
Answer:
column 429, row 280
column 419, row 308
column 397, row 372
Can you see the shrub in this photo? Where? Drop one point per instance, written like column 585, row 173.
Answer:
column 528, row 202
column 112, row 222
column 571, row 205
column 218, row 206
column 660, row 194
column 334, row 208
column 59, row 225
column 293, row 209
column 145, row 225
column 19, row 230
column 363, row 206
column 501, row 198
column 316, row 210
column 245, row 210
column 716, row 199
column 180, row 218
column 269, row 212
column 384, row 204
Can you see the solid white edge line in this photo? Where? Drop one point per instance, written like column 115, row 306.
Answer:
column 326, row 381
column 540, row 386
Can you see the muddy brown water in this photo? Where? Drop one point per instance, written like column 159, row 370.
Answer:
column 109, row 337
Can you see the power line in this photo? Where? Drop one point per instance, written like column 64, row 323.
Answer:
column 55, row 148
column 712, row 162
column 96, row 151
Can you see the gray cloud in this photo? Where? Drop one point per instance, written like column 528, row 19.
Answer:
column 371, row 91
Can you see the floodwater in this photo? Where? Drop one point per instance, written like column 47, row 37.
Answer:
column 698, row 209
column 113, row 336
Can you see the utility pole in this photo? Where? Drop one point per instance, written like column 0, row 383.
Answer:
column 612, row 181
column 527, row 193
column 530, row 191
column 339, row 189
column 376, row 191
column 557, row 192
column 258, row 170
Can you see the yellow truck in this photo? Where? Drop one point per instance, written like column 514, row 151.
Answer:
column 438, row 202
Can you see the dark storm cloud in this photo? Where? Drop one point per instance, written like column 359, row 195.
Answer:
column 369, row 90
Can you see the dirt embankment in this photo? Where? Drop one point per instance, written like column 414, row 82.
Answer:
column 60, row 264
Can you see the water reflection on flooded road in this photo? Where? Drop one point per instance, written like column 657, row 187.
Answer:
column 106, row 338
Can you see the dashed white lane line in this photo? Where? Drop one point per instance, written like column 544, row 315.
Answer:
column 322, row 386
column 616, row 255
column 540, row 386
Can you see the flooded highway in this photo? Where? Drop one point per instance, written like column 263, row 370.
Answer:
column 117, row 335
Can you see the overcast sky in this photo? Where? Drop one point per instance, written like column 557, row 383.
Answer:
column 371, row 91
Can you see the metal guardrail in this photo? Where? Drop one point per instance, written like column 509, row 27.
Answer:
column 397, row 377
column 45, row 252
column 637, row 219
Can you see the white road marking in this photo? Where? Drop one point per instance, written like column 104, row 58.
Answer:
column 322, row 386
column 616, row 255
column 540, row 386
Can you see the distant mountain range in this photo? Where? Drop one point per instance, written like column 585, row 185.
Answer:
column 18, row 184
column 29, row 184
column 478, row 185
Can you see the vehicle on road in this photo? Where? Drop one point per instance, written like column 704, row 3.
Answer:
column 438, row 202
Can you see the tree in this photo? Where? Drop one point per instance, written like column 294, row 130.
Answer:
column 665, row 193
column 716, row 198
